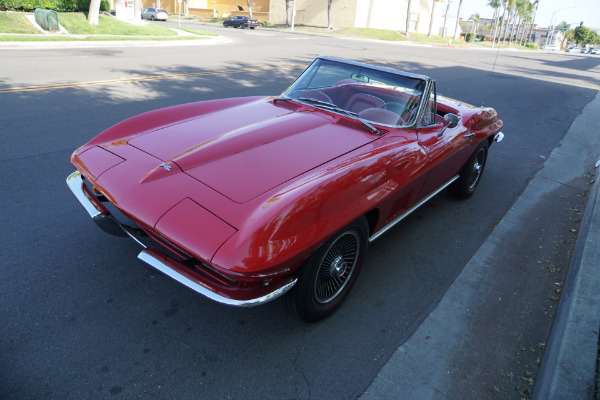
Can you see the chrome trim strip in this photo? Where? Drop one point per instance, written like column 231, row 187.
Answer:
column 148, row 258
column 410, row 210
column 75, row 183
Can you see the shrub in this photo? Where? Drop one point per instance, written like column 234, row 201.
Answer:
column 57, row 5
column 469, row 37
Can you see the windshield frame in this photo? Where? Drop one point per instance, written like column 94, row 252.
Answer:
column 423, row 83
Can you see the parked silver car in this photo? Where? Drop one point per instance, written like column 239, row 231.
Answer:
column 159, row 14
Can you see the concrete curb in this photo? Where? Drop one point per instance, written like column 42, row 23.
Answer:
column 211, row 40
column 569, row 365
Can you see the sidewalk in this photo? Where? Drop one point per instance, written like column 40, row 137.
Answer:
column 464, row 338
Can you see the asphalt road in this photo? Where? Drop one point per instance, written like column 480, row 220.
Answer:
column 82, row 319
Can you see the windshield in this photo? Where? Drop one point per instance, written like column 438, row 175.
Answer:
column 374, row 95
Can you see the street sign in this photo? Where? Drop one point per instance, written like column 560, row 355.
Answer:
column 562, row 29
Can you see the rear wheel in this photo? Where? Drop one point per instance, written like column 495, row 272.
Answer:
column 469, row 178
column 328, row 275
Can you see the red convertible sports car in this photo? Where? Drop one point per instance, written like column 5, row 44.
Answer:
column 247, row 199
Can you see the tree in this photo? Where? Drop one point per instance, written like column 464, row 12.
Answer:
column 583, row 35
column 94, row 12
column 456, row 30
column 505, row 19
column 475, row 18
column 137, row 9
column 537, row 4
column 446, row 18
column 495, row 4
column 432, row 17
column 249, row 8
column 525, row 19
column 408, row 17
column 329, row 20
column 287, row 12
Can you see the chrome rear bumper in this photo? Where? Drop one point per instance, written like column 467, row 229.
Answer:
column 189, row 276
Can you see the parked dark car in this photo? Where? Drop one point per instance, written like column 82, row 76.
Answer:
column 241, row 22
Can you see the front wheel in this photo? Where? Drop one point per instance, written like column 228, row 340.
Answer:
column 328, row 275
column 469, row 178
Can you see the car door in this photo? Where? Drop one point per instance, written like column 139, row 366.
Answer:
column 445, row 147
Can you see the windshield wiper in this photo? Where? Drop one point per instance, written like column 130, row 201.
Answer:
column 333, row 107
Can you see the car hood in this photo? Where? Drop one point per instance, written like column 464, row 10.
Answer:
column 244, row 151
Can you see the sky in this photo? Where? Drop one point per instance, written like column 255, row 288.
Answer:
column 587, row 11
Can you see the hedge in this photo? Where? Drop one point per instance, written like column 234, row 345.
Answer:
column 57, row 5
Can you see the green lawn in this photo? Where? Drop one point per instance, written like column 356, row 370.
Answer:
column 44, row 38
column 77, row 24
column 381, row 34
column 11, row 22
column 198, row 32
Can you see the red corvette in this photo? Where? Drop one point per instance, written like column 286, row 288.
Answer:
column 250, row 198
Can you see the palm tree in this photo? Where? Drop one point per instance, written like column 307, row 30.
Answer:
column 432, row 18
column 508, row 5
column 446, row 18
column 456, row 31
column 516, row 9
column 408, row 17
column 475, row 18
column 495, row 4
column 537, row 3
column 329, row 19
column 525, row 15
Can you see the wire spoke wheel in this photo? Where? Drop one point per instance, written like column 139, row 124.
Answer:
column 469, row 178
column 327, row 276
column 477, row 168
column 336, row 267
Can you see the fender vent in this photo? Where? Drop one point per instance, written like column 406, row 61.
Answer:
column 360, row 127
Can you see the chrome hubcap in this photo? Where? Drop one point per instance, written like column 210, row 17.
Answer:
column 477, row 167
column 337, row 267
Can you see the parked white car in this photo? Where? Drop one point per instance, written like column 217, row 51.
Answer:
column 159, row 14
column 551, row 47
column 573, row 50
column 595, row 50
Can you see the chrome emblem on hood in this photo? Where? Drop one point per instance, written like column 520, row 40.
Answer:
column 165, row 167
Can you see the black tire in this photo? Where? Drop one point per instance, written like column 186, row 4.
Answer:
column 225, row 25
column 252, row 27
column 469, row 178
column 152, row 17
column 327, row 276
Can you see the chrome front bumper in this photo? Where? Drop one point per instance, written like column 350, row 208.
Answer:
column 189, row 276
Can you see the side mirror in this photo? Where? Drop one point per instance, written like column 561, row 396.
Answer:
column 451, row 120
